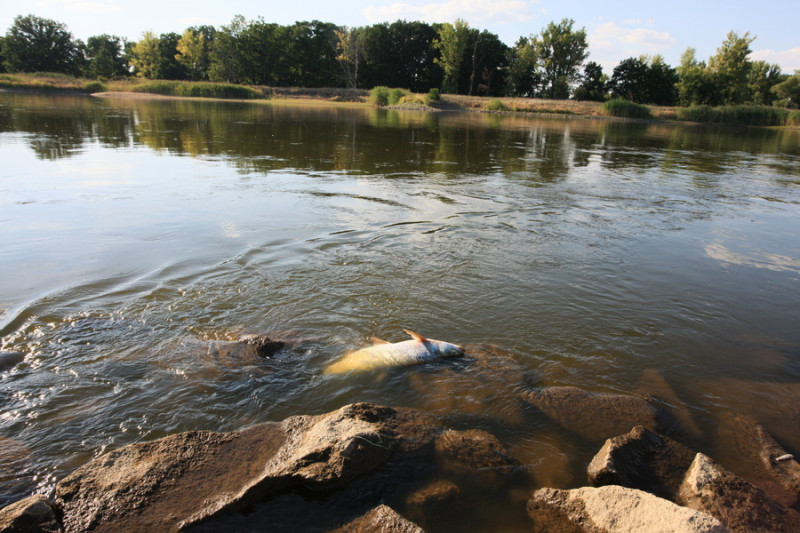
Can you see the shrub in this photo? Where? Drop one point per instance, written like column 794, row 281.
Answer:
column 379, row 96
column 94, row 87
column 753, row 115
column 197, row 89
column 619, row 107
column 434, row 94
column 395, row 95
column 495, row 105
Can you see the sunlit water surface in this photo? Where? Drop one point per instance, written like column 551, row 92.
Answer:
column 591, row 252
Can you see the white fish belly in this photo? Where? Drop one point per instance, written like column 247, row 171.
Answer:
column 381, row 355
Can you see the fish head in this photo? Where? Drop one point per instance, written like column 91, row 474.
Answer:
column 446, row 349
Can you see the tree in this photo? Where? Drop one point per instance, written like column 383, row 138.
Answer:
column 192, row 53
column 348, row 46
column 561, row 50
column 487, row 57
column 451, row 44
column 169, row 68
column 400, row 54
column 645, row 80
column 225, row 55
column 146, row 59
column 35, row 44
column 105, row 57
column 593, row 84
column 696, row 84
column 761, row 79
column 788, row 91
column 732, row 68
column 523, row 77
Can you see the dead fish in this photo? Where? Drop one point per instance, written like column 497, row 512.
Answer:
column 785, row 457
column 385, row 354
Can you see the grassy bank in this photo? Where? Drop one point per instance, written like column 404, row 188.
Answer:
column 384, row 96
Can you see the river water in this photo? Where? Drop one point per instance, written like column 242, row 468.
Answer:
column 592, row 253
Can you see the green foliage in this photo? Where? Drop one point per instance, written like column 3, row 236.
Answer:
column 146, row 58
column 94, row 87
column 523, row 77
column 395, row 95
column 761, row 78
column 197, row 89
column 645, row 80
column 619, row 107
column 560, row 51
column 379, row 96
column 192, row 53
column 35, row 44
column 495, row 105
column 451, row 44
column 754, row 115
column 593, row 84
column 788, row 91
column 105, row 57
column 731, row 67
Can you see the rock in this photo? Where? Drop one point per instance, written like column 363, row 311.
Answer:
column 654, row 384
column 473, row 386
column 747, row 444
column 33, row 514
column 738, row 504
column 183, row 479
column 614, row 509
column 642, row 459
column 304, row 473
column 438, row 498
column 16, row 474
column 594, row 416
column 477, row 455
column 774, row 405
column 247, row 347
column 9, row 360
column 382, row 518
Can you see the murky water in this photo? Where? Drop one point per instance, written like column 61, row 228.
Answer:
column 590, row 253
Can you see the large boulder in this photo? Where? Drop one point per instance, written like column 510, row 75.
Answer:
column 642, row 459
column 304, row 473
column 33, row 514
column 614, row 509
column 741, row 506
column 183, row 479
column 594, row 416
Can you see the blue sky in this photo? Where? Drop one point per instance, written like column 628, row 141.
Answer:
column 617, row 29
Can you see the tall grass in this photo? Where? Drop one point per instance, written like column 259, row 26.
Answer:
column 197, row 89
column 747, row 115
column 383, row 96
column 623, row 108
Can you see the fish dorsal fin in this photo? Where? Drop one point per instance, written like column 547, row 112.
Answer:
column 376, row 340
column 416, row 336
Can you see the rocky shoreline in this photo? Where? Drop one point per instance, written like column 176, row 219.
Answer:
column 365, row 467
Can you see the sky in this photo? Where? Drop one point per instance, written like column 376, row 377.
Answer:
column 616, row 29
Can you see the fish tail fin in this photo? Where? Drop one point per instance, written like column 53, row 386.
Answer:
column 416, row 336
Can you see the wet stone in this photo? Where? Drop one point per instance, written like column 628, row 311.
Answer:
column 594, row 416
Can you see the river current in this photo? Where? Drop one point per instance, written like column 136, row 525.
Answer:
column 593, row 253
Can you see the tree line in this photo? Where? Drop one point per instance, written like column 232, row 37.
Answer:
column 414, row 55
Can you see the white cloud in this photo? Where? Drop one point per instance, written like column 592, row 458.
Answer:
column 610, row 42
column 476, row 12
column 789, row 60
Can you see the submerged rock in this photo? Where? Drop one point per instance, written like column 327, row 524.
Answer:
column 762, row 460
column 642, row 459
column 33, row 514
column 614, row 509
column 9, row 360
column 594, row 416
column 741, row 506
column 654, row 384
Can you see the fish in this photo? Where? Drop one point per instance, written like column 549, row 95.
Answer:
column 384, row 354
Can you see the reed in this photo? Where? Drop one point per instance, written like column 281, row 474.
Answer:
column 197, row 89
column 746, row 115
column 619, row 107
